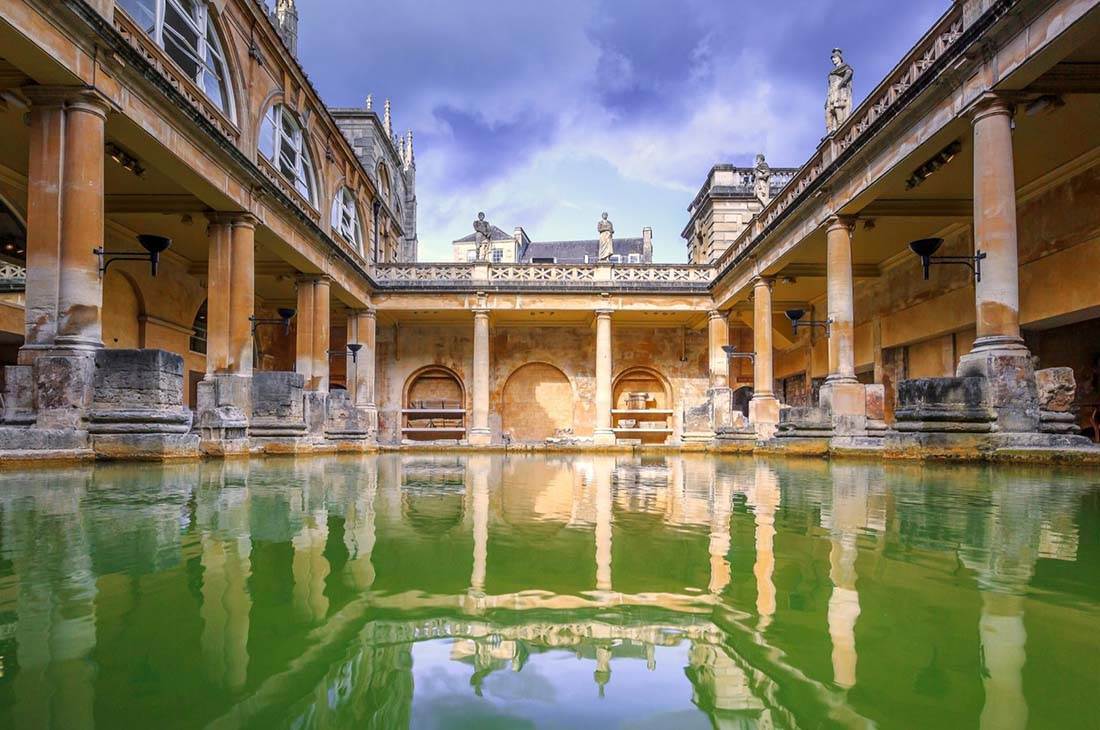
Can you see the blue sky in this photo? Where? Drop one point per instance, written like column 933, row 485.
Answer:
column 545, row 114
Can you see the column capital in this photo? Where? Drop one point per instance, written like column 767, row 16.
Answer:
column 714, row 314
column 368, row 312
column 604, row 313
column 841, row 222
column 763, row 281
column 85, row 98
column 244, row 220
column 990, row 104
column 313, row 279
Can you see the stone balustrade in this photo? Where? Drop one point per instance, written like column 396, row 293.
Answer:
column 595, row 277
column 13, row 278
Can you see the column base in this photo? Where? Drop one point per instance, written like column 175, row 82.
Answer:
column 603, row 437
column 1009, row 369
column 721, row 408
column 223, row 407
column 480, row 437
column 845, row 399
column 764, row 415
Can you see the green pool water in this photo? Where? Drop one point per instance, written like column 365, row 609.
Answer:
column 574, row 592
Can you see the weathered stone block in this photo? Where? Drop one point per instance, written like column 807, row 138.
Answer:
column 1011, row 386
column 17, row 387
column 875, row 401
column 278, row 404
column 135, row 379
column 1057, row 389
column 345, row 420
column 63, row 389
column 944, row 405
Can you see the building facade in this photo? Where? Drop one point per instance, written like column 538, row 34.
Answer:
column 289, row 313
column 519, row 248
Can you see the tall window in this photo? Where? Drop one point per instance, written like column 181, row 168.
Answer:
column 345, row 218
column 185, row 30
column 282, row 142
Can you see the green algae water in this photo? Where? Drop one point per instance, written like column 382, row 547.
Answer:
column 529, row 592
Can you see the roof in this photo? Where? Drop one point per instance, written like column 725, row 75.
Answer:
column 564, row 252
column 498, row 235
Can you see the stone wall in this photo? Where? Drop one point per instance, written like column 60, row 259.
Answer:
column 533, row 401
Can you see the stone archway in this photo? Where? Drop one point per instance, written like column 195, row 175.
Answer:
column 537, row 402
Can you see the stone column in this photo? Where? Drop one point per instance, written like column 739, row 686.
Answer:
column 764, row 407
column 44, row 178
column 719, row 543
column 718, row 331
column 480, row 435
column 242, row 296
column 362, row 329
column 303, row 340
column 764, row 500
column 999, row 352
column 219, row 288
column 604, row 435
column 842, row 395
column 80, row 286
column 322, row 317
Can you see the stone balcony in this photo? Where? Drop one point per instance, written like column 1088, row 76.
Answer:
column 674, row 278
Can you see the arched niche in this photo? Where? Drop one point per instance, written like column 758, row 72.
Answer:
column 434, row 405
column 537, row 403
column 741, row 398
column 642, row 405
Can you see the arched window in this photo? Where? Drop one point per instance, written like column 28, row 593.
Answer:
column 198, row 331
column 384, row 181
column 345, row 218
column 185, row 30
column 282, row 142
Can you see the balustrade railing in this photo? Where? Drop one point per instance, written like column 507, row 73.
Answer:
column 548, row 275
column 13, row 277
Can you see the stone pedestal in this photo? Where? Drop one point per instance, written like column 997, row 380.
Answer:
column 63, row 389
column 764, row 416
column 1010, row 376
column 1057, row 391
column 224, row 402
column 721, row 402
column 137, row 409
column 17, row 388
column 846, row 402
column 346, row 423
column 278, row 420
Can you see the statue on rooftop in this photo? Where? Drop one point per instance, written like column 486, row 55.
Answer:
column 838, row 104
column 607, row 234
column 483, row 233
column 762, row 175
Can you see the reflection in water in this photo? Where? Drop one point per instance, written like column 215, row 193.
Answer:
column 497, row 591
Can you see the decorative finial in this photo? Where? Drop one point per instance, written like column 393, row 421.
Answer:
column 387, row 121
column 412, row 158
column 370, row 102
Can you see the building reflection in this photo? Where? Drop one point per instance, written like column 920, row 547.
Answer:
column 327, row 575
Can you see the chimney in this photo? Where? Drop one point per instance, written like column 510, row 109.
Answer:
column 647, row 245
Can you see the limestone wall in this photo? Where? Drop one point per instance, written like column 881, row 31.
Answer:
column 541, row 378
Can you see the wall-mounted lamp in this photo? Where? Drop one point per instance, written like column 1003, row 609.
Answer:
column 926, row 247
column 285, row 315
column 154, row 246
column 796, row 315
column 732, row 353
column 353, row 348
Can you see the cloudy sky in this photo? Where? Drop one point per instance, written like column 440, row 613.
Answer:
column 543, row 113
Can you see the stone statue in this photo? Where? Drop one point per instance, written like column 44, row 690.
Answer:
column 838, row 104
column 607, row 234
column 483, row 233
column 762, row 175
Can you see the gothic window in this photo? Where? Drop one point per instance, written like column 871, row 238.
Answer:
column 345, row 218
column 282, row 142
column 185, row 30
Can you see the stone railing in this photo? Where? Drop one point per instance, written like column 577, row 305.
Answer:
column 543, row 276
column 889, row 96
column 13, row 277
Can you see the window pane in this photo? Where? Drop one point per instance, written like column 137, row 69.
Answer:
column 143, row 12
column 181, row 40
column 267, row 134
